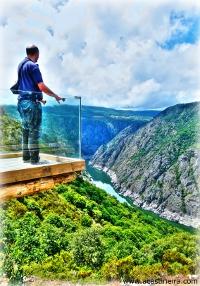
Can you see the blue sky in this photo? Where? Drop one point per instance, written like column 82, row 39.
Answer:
column 129, row 54
column 189, row 32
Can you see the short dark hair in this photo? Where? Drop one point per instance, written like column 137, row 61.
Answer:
column 32, row 50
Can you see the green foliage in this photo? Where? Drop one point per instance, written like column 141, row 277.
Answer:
column 86, row 220
column 88, row 248
column 78, row 232
column 10, row 138
column 118, row 269
column 147, row 272
column 59, row 266
column 178, row 131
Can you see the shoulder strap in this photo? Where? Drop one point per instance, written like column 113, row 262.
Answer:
column 21, row 66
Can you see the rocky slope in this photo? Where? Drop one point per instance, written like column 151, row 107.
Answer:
column 158, row 167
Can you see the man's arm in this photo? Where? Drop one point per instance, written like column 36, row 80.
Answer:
column 48, row 91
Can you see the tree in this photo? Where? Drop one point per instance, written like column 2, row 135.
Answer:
column 88, row 248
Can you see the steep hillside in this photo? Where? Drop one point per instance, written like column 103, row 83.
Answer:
column 77, row 232
column 99, row 126
column 158, row 166
column 10, row 133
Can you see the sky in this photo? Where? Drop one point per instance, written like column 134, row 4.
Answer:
column 112, row 53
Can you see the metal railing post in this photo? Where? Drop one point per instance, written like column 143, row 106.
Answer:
column 80, row 126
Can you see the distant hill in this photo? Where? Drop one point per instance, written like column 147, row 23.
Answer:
column 158, row 166
column 99, row 126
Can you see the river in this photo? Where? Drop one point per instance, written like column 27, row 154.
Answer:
column 103, row 181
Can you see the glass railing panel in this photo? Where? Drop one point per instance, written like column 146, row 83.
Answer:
column 60, row 128
column 60, row 132
column 10, row 125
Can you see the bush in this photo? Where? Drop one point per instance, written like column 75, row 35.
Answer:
column 118, row 269
column 88, row 248
column 86, row 220
column 147, row 272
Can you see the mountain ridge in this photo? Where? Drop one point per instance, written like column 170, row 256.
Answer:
column 158, row 165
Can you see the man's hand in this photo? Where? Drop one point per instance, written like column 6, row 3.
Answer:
column 43, row 101
column 49, row 92
column 58, row 98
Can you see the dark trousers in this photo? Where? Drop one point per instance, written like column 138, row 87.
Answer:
column 31, row 115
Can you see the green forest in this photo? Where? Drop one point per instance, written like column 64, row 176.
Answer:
column 77, row 232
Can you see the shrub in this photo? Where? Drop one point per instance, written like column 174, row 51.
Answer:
column 86, row 220
column 88, row 248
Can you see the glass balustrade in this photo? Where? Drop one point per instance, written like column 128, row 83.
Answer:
column 60, row 132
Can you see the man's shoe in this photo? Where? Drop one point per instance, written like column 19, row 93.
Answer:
column 26, row 160
column 26, row 157
column 35, row 161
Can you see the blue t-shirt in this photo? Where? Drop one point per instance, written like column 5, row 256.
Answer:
column 29, row 77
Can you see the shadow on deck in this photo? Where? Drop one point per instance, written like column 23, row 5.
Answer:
column 19, row 179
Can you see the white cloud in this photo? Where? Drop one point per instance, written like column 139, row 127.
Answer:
column 105, row 51
column 184, row 96
column 139, row 93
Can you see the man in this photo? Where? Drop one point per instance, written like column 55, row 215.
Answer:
column 31, row 86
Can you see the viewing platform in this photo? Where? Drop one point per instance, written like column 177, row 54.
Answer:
column 18, row 178
column 59, row 145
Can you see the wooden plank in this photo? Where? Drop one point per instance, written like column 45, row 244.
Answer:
column 40, row 172
column 10, row 155
column 24, row 179
column 78, row 166
column 20, row 172
column 24, row 174
column 33, row 186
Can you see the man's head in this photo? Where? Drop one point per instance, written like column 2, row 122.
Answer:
column 33, row 53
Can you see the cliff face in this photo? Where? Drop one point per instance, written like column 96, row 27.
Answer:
column 97, row 132
column 158, row 166
column 100, row 125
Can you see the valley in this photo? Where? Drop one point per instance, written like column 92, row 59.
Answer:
column 157, row 167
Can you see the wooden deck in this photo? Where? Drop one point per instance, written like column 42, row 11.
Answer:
column 18, row 178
